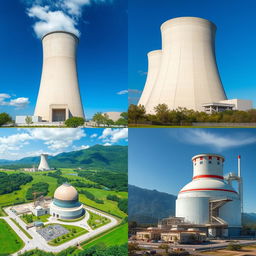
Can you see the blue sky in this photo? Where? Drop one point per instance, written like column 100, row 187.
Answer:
column 160, row 158
column 102, row 55
column 18, row 143
column 235, row 39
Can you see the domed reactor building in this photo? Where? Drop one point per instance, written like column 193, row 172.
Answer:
column 210, row 201
column 65, row 204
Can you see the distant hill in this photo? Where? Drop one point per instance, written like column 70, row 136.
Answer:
column 113, row 158
column 249, row 218
column 148, row 206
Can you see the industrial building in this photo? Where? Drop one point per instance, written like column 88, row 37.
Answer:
column 44, row 166
column 59, row 96
column 209, row 201
column 184, row 72
column 65, row 204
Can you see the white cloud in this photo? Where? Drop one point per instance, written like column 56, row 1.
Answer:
column 76, row 148
column 107, row 144
column 122, row 92
column 18, row 102
column 219, row 142
column 95, row 135
column 114, row 135
column 57, row 138
column 58, row 15
column 51, row 21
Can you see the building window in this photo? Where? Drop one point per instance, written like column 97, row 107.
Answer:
column 218, row 163
column 210, row 162
column 201, row 162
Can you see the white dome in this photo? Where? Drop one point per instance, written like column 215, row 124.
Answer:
column 66, row 192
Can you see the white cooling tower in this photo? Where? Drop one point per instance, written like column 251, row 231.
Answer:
column 43, row 166
column 188, row 75
column 154, row 60
column 59, row 95
column 208, row 199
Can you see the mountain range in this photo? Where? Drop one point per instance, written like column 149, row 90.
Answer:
column 112, row 158
column 148, row 206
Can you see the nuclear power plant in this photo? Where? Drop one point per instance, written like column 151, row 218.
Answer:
column 44, row 166
column 209, row 201
column 59, row 96
column 184, row 72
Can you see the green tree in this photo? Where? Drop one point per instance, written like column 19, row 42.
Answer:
column 136, row 113
column 234, row 246
column 5, row 118
column 164, row 247
column 74, row 122
column 124, row 115
column 98, row 118
column 28, row 120
column 162, row 113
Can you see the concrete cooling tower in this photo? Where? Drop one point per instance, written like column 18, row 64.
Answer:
column 59, row 95
column 43, row 166
column 154, row 61
column 209, row 200
column 187, row 75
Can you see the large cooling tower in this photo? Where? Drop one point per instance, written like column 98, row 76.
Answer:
column 188, row 75
column 43, row 166
column 154, row 61
column 59, row 95
column 208, row 199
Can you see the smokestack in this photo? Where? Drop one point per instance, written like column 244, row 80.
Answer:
column 188, row 76
column 154, row 61
column 239, row 165
column 43, row 166
column 59, row 95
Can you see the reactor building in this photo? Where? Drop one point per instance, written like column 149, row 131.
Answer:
column 184, row 72
column 44, row 166
column 209, row 201
column 65, row 204
column 59, row 96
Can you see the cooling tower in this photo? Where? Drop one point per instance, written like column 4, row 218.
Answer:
column 208, row 199
column 154, row 60
column 43, row 166
column 188, row 75
column 59, row 95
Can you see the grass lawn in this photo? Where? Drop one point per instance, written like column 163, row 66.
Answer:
column 74, row 232
column 43, row 218
column 108, row 206
column 117, row 236
column 19, row 196
column 96, row 221
column 9, row 241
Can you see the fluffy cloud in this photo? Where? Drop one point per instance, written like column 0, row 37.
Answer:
column 114, row 135
column 94, row 135
column 18, row 102
column 122, row 92
column 76, row 148
column 57, row 15
column 107, row 144
column 51, row 21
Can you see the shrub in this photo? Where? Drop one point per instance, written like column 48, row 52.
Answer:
column 234, row 247
column 5, row 119
column 74, row 122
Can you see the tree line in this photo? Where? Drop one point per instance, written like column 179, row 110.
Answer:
column 103, row 119
column 122, row 202
column 182, row 116
column 12, row 182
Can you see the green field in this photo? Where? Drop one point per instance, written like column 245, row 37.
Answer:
column 96, row 221
column 74, row 232
column 109, row 206
column 9, row 241
column 117, row 236
column 21, row 228
column 43, row 218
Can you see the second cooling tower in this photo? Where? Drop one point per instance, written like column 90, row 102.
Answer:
column 187, row 75
column 59, row 95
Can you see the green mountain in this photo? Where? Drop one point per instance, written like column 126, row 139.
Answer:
column 112, row 158
column 148, row 206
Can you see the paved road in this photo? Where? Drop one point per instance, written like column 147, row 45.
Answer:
column 38, row 241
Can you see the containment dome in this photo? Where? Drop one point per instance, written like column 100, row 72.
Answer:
column 66, row 192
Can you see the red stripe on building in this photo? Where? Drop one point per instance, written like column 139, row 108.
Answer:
column 208, row 189
column 208, row 176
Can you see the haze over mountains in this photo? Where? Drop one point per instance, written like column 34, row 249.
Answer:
column 113, row 158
